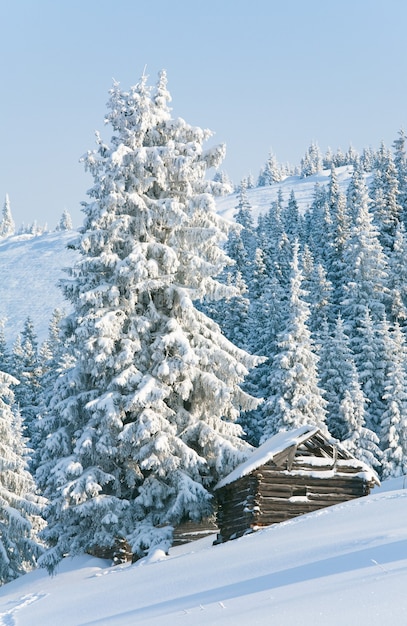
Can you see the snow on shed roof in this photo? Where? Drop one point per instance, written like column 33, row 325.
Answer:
column 280, row 442
column 265, row 453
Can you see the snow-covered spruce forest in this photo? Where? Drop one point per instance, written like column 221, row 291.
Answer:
column 191, row 337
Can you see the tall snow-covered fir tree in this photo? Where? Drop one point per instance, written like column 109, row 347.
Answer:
column 264, row 320
column 296, row 398
column 318, row 225
column 4, row 349
column 145, row 422
column 241, row 245
column 346, row 402
column 397, row 282
column 340, row 233
column 20, row 508
column 26, row 368
column 366, row 273
column 270, row 173
column 312, row 161
column 319, row 296
column 7, row 225
column 386, row 208
column 338, row 375
column 292, row 219
column 54, row 360
column 400, row 161
column 65, row 223
column 394, row 418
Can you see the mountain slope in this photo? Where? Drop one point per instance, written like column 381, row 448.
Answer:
column 342, row 565
column 30, row 268
column 346, row 564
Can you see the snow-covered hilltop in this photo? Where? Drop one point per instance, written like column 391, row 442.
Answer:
column 261, row 198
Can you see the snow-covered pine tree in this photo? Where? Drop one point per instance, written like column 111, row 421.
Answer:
column 250, row 183
column 346, row 402
column 372, row 355
column 54, row 360
column 241, row 245
column 232, row 314
column 244, row 217
column 20, row 508
column 397, row 283
column 339, row 158
column 296, row 398
column 312, row 161
column 319, row 297
column 223, row 178
column 267, row 304
column 394, row 419
column 338, row 375
column 367, row 159
column 400, row 162
column 362, row 442
column 366, row 271
column 274, row 243
column 234, row 320
column 25, row 366
column 4, row 350
column 327, row 160
column 340, row 223
column 318, row 226
column 53, row 348
column 65, row 223
column 271, row 172
column 292, row 220
column 386, row 209
column 144, row 423
column 7, row 225
column 352, row 156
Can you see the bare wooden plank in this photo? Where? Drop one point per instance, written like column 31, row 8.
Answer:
column 304, row 479
column 285, row 457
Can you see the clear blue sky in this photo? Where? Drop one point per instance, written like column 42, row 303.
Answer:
column 263, row 75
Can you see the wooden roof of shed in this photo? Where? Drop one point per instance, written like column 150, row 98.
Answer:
column 279, row 446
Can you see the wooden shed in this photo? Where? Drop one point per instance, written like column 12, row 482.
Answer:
column 290, row 474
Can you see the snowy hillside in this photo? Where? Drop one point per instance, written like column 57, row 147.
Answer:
column 260, row 198
column 346, row 564
column 30, row 268
column 342, row 565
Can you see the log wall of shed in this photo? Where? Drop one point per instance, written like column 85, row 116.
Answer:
column 271, row 494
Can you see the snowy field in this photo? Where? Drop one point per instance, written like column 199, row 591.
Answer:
column 342, row 566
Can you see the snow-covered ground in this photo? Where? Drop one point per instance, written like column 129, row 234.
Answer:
column 343, row 565
column 30, row 268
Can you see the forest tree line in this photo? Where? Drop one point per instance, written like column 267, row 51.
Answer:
column 323, row 296
column 190, row 339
